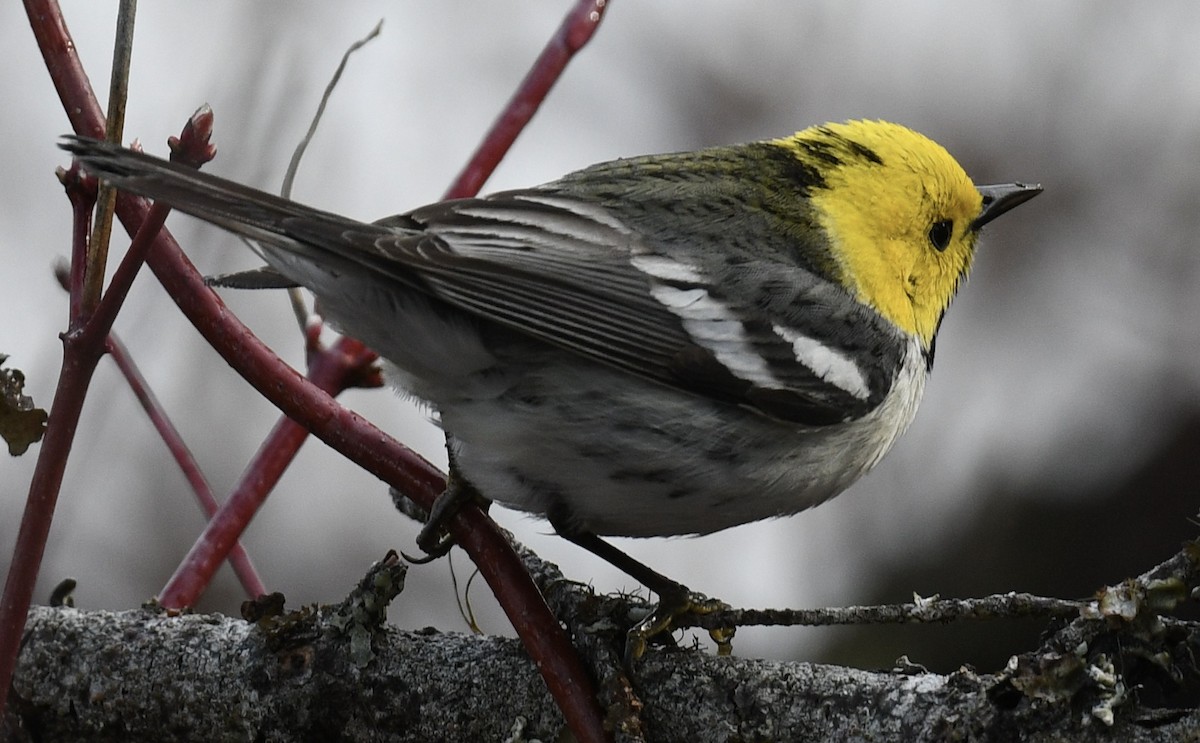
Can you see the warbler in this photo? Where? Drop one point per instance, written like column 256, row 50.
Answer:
column 661, row 345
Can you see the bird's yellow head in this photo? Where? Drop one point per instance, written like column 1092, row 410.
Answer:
column 901, row 213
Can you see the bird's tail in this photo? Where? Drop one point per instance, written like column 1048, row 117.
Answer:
column 279, row 230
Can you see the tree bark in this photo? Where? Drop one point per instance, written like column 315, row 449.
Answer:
column 307, row 675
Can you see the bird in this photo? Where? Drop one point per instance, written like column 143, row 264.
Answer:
column 660, row 345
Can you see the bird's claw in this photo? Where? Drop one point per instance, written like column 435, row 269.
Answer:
column 435, row 539
column 670, row 607
column 434, row 542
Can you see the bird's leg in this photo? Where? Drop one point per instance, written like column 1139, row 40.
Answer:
column 434, row 538
column 674, row 598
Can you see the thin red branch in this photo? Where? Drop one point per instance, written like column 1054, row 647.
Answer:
column 81, row 353
column 330, row 370
column 111, row 301
column 78, row 364
column 191, row 148
column 574, row 32
column 239, row 559
column 195, row 572
column 343, row 429
column 65, row 68
column 81, row 190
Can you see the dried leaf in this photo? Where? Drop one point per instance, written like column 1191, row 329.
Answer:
column 21, row 424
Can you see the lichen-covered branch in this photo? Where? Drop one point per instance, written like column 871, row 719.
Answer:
column 137, row 675
column 1120, row 671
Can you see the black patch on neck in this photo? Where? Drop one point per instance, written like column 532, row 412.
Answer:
column 803, row 176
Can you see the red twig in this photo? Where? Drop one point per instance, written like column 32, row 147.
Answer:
column 79, row 362
column 81, row 223
column 226, row 524
column 343, row 429
column 331, row 370
column 575, row 31
column 65, row 68
column 191, row 148
column 80, row 355
column 239, row 559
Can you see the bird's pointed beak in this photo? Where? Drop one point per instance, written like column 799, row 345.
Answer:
column 1000, row 198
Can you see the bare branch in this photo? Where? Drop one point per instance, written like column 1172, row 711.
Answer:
column 118, row 94
column 239, row 559
column 575, row 32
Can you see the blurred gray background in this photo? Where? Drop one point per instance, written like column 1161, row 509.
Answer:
column 1056, row 449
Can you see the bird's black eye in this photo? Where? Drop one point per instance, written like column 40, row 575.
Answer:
column 939, row 234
